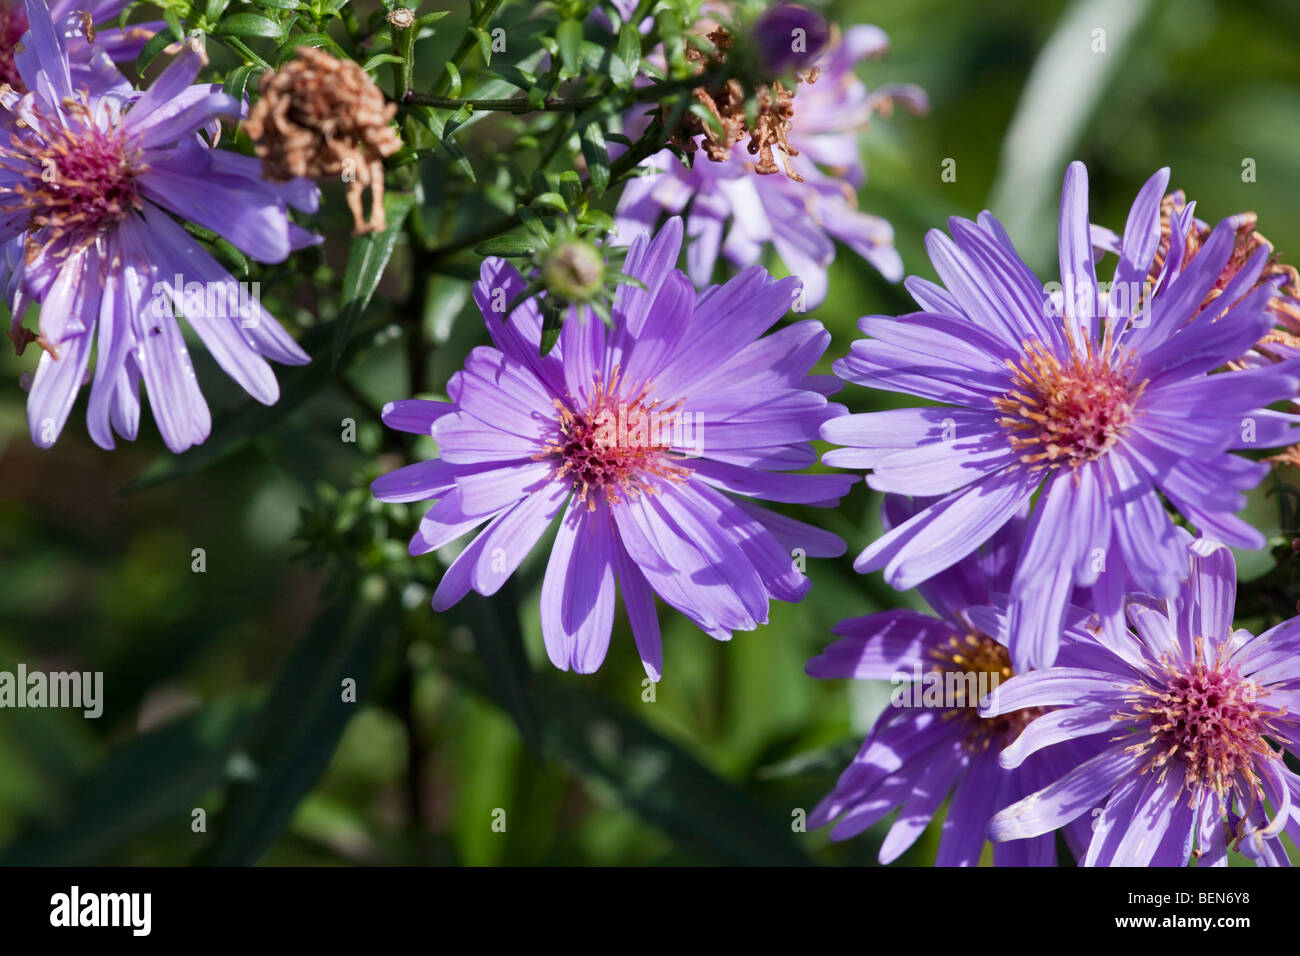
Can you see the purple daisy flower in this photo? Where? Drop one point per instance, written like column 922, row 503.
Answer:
column 800, row 214
column 924, row 751
column 1098, row 414
column 89, row 183
column 90, row 61
column 649, row 446
column 1193, row 714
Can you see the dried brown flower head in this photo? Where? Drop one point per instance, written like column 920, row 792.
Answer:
column 726, row 104
column 1285, row 306
column 320, row 116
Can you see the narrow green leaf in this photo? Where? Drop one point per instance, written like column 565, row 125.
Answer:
column 551, row 199
column 319, row 40
column 237, row 80
column 499, row 643
column 569, row 36
column 597, row 157
column 552, row 321
column 506, row 246
column 379, row 59
column 298, row 729
column 152, row 780
column 627, row 55
column 516, row 77
column 367, row 260
column 652, row 776
column 249, row 25
column 155, row 45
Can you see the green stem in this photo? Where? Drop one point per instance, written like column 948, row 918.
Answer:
column 250, row 58
column 509, row 105
column 468, row 43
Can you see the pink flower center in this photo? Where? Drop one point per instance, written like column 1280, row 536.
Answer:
column 616, row 446
column 1069, row 412
column 13, row 24
column 79, row 176
column 1211, row 720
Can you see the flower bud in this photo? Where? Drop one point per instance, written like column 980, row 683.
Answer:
column 574, row 271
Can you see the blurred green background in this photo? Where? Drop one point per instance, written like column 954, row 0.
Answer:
column 222, row 688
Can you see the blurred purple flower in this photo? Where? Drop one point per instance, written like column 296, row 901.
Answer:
column 732, row 211
column 790, row 37
column 918, row 755
column 91, row 63
column 647, row 437
column 88, row 183
column 1192, row 714
column 1103, row 413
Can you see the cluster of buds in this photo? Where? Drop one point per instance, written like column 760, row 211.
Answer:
column 320, row 116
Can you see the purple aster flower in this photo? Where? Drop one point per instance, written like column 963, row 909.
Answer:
column 648, row 444
column 90, row 60
column 1098, row 414
column 1196, row 719
column 89, row 183
column 790, row 37
column 731, row 210
column 930, row 744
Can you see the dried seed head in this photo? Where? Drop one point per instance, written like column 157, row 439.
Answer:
column 402, row 18
column 319, row 116
column 726, row 104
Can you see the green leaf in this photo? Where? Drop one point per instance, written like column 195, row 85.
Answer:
column 155, row 45
column 552, row 321
column 619, row 755
column 627, row 56
column 597, row 157
column 367, row 260
column 249, row 25
column 664, row 784
column 598, row 219
column 506, row 246
column 318, row 40
column 454, row 90
column 379, row 59
column 499, row 643
column 569, row 36
column 484, row 43
column 235, row 429
column 439, row 127
column 237, row 80
column 552, row 199
column 298, row 729
column 512, row 75
column 152, row 780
